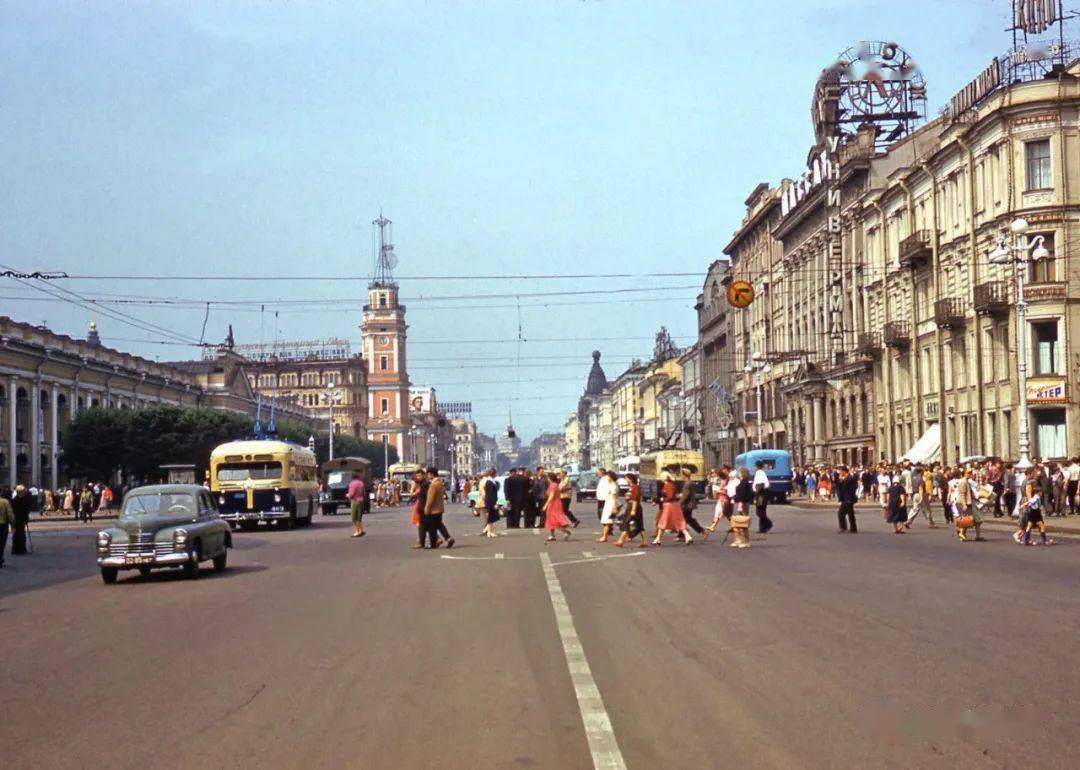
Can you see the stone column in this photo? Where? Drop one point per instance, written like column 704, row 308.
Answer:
column 819, row 435
column 13, row 455
column 36, row 430
column 73, row 401
column 54, row 450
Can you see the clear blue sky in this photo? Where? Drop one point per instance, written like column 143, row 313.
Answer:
column 507, row 136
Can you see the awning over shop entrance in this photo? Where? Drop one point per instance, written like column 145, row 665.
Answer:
column 928, row 448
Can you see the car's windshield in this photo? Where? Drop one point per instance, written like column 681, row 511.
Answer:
column 245, row 471
column 337, row 477
column 171, row 503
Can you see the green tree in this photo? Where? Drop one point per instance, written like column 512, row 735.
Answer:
column 94, row 443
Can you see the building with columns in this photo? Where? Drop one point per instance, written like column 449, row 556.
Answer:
column 880, row 327
column 46, row 379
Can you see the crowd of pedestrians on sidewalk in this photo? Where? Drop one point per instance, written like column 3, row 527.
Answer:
column 967, row 494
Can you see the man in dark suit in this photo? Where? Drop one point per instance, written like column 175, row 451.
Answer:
column 20, row 504
column 530, row 504
column 847, row 492
column 516, row 491
column 540, row 492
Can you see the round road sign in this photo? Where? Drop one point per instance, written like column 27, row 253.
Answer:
column 740, row 294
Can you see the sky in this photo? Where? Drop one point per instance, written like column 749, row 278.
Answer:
column 503, row 138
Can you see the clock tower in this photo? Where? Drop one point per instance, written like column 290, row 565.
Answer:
column 382, row 335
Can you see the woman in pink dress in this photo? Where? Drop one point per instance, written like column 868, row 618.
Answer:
column 671, row 515
column 554, row 515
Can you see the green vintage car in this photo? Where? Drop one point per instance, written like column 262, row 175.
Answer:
column 170, row 525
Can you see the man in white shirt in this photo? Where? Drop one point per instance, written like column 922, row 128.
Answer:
column 603, row 492
column 761, row 498
column 1072, row 482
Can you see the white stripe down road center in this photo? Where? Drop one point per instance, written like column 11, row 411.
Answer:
column 594, row 717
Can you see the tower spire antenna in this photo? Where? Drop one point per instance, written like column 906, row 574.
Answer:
column 385, row 258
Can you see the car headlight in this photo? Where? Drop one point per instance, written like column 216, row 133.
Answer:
column 277, row 497
column 103, row 541
column 221, row 500
column 180, row 537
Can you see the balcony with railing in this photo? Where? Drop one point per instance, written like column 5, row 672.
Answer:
column 897, row 334
column 868, row 343
column 915, row 249
column 949, row 313
column 992, row 298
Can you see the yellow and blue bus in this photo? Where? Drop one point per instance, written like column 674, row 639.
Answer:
column 264, row 481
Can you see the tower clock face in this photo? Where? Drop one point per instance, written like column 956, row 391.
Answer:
column 384, row 341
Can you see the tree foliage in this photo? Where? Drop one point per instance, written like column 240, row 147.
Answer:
column 139, row 441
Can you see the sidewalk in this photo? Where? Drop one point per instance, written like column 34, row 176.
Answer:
column 1064, row 524
column 58, row 521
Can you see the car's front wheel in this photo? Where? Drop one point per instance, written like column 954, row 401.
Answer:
column 191, row 566
column 220, row 561
column 144, row 571
column 108, row 574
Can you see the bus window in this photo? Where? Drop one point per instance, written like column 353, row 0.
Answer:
column 246, row 471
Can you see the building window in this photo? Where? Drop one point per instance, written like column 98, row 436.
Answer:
column 1050, row 433
column 1037, row 160
column 384, row 406
column 382, row 300
column 1045, row 334
column 383, row 363
column 1042, row 270
column 1006, row 434
column 988, row 354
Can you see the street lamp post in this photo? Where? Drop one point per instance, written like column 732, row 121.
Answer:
column 757, row 366
column 331, row 396
column 1021, row 254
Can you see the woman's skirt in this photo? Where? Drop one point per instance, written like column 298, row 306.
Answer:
column 416, row 514
column 671, row 517
column 607, row 515
column 555, row 518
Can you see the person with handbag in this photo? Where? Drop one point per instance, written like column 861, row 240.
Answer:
column 740, row 518
column 633, row 521
column 967, row 512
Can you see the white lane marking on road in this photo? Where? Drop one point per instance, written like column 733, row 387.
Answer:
column 602, row 744
column 595, row 559
column 500, row 556
column 587, row 554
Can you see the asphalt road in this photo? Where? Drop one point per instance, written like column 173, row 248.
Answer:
column 316, row 650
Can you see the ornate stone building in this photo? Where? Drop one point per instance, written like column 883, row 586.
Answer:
column 46, row 379
column 716, row 352
column 880, row 327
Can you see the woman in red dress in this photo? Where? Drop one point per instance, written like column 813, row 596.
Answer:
column 671, row 515
column 554, row 515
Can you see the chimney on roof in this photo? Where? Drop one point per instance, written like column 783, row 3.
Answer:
column 92, row 335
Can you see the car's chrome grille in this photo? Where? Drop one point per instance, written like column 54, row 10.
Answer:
column 142, row 544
